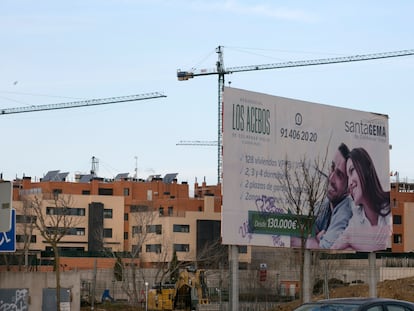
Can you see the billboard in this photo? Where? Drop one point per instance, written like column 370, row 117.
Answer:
column 277, row 152
column 8, row 239
column 5, row 205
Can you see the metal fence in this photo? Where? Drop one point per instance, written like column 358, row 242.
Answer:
column 282, row 281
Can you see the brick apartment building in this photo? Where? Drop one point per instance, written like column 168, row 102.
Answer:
column 402, row 203
column 109, row 214
column 180, row 222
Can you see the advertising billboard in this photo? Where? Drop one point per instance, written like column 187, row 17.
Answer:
column 5, row 205
column 8, row 239
column 297, row 173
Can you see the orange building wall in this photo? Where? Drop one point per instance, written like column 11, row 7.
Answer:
column 401, row 196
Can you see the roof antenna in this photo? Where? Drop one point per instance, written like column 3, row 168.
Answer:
column 136, row 167
column 95, row 165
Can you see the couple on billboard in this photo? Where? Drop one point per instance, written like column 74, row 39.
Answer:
column 356, row 214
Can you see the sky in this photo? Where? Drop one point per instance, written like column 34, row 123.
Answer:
column 63, row 51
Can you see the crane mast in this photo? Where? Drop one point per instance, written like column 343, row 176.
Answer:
column 221, row 72
column 82, row 103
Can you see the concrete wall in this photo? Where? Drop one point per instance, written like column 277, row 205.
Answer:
column 35, row 282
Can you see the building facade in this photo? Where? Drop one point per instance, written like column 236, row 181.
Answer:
column 151, row 218
column 402, row 209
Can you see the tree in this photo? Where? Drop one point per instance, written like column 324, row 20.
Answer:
column 118, row 269
column 213, row 255
column 174, row 268
column 141, row 218
column 54, row 218
column 304, row 187
column 26, row 230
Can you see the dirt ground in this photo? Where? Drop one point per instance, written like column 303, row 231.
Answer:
column 402, row 289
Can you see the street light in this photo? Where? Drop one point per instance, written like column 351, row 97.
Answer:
column 146, row 296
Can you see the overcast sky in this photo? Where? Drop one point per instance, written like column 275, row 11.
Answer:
column 62, row 51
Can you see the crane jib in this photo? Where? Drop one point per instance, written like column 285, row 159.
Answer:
column 83, row 103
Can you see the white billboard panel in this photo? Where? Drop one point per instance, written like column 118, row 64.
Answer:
column 263, row 133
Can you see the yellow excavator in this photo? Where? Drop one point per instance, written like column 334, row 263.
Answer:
column 190, row 290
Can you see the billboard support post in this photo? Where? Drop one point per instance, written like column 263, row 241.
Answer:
column 372, row 278
column 306, row 292
column 234, row 277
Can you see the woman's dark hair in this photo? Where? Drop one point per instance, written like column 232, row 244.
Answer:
column 370, row 184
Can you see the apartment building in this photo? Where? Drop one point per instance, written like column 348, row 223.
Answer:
column 114, row 214
column 109, row 215
column 402, row 203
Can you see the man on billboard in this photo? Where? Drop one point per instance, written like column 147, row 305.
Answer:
column 333, row 215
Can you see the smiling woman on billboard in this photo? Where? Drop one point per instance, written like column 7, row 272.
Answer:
column 369, row 227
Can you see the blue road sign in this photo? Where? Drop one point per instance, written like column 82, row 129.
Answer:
column 8, row 239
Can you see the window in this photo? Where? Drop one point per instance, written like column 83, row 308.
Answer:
column 181, row 228
column 136, row 230
column 56, row 193
column 20, row 238
column 107, row 233
column 136, row 249
column 25, row 219
column 105, row 191
column 397, row 219
column 397, row 239
column 76, row 231
column 391, row 307
column 56, row 230
column 125, row 235
column 161, row 211
column 395, row 204
column 181, row 247
column 153, row 248
column 86, row 192
column 170, row 210
column 126, row 216
column 154, row 229
column 242, row 249
column 107, row 213
column 126, row 192
column 139, row 208
column 69, row 211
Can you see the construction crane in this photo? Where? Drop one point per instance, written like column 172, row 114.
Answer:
column 221, row 71
column 82, row 103
column 197, row 143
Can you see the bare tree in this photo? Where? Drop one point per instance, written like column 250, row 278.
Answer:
column 25, row 230
column 141, row 219
column 213, row 255
column 53, row 218
column 304, row 187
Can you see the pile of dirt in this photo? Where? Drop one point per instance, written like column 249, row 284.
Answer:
column 402, row 289
column 397, row 289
